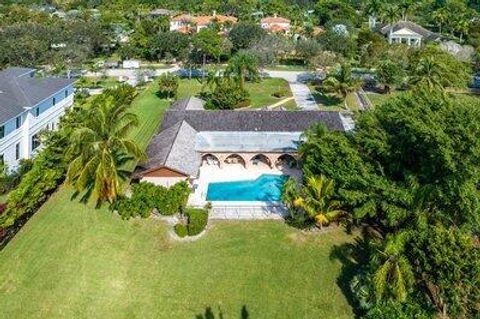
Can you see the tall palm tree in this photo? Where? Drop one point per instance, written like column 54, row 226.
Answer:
column 462, row 26
column 441, row 16
column 394, row 275
column 316, row 199
column 373, row 9
column 342, row 82
column 100, row 148
column 390, row 15
column 428, row 72
column 241, row 65
column 406, row 6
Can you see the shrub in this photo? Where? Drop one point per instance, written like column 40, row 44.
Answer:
column 148, row 196
column 280, row 93
column 197, row 221
column 180, row 230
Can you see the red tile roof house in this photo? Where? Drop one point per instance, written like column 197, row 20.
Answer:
column 276, row 24
column 186, row 23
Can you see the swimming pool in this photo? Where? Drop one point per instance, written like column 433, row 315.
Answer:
column 265, row 188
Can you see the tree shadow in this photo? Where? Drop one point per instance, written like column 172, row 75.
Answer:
column 352, row 256
column 209, row 314
column 327, row 99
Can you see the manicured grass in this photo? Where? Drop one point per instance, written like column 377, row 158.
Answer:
column 71, row 260
column 332, row 102
column 91, row 82
column 260, row 92
column 284, row 67
column 149, row 109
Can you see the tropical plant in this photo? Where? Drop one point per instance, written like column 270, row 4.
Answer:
column 391, row 14
column 342, row 82
column 100, row 148
column 389, row 74
column 241, row 66
column 316, row 198
column 168, row 85
column 394, row 275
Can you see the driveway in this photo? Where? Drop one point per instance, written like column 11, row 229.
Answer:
column 301, row 92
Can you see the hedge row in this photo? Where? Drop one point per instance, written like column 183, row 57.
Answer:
column 147, row 196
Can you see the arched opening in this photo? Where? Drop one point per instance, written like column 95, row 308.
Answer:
column 210, row 160
column 260, row 160
column 286, row 161
column 235, row 159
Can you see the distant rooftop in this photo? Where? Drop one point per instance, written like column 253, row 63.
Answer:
column 20, row 89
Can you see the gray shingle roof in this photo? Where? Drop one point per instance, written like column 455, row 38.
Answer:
column 173, row 148
column 427, row 34
column 20, row 90
column 268, row 121
column 191, row 103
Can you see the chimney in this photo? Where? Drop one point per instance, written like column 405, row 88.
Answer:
column 275, row 15
column 214, row 13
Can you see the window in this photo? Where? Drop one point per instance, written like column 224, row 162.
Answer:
column 35, row 142
column 17, row 151
column 2, row 159
column 2, row 131
column 54, row 101
column 66, row 93
column 37, row 112
column 18, row 122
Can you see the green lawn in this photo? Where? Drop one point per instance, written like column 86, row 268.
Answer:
column 91, row 82
column 74, row 261
column 260, row 92
column 332, row 102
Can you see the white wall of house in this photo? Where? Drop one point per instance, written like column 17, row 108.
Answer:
column 17, row 144
column 405, row 36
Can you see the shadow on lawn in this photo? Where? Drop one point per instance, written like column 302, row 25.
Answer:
column 327, row 99
column 208, row 314
column 352, row 256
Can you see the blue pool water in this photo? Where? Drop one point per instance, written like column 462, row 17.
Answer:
column 264, row 188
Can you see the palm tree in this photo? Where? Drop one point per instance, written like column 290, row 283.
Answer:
column 373, row 8
column 441, row 16
column 428, row 73
column 406, row 6
column 390, row 15
column 241, row 65
column 462, row 26
column 291, row 191
column 168, row 85
column 342, row 82
column 394, row 275
column 100, row 148
column 316, row 200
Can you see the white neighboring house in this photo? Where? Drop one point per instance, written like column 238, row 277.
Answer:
column 28, row 105
column 408, row 33
column 275, row 24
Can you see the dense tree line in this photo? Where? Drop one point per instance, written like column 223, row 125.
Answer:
column 410, row 173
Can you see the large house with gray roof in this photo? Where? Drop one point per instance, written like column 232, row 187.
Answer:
column 28, row 105
column 190, row 137
column 408, row 33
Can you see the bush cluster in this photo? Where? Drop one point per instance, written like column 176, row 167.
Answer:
column 181, row 230
column 197, row 220
column 280, row 93
column 33, row 190
column 146, row 197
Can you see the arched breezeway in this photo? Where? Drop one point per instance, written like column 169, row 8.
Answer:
column 235, row 159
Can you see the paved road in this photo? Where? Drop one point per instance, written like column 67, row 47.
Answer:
column 301, row 92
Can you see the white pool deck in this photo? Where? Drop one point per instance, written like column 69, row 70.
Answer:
column 237, row 209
